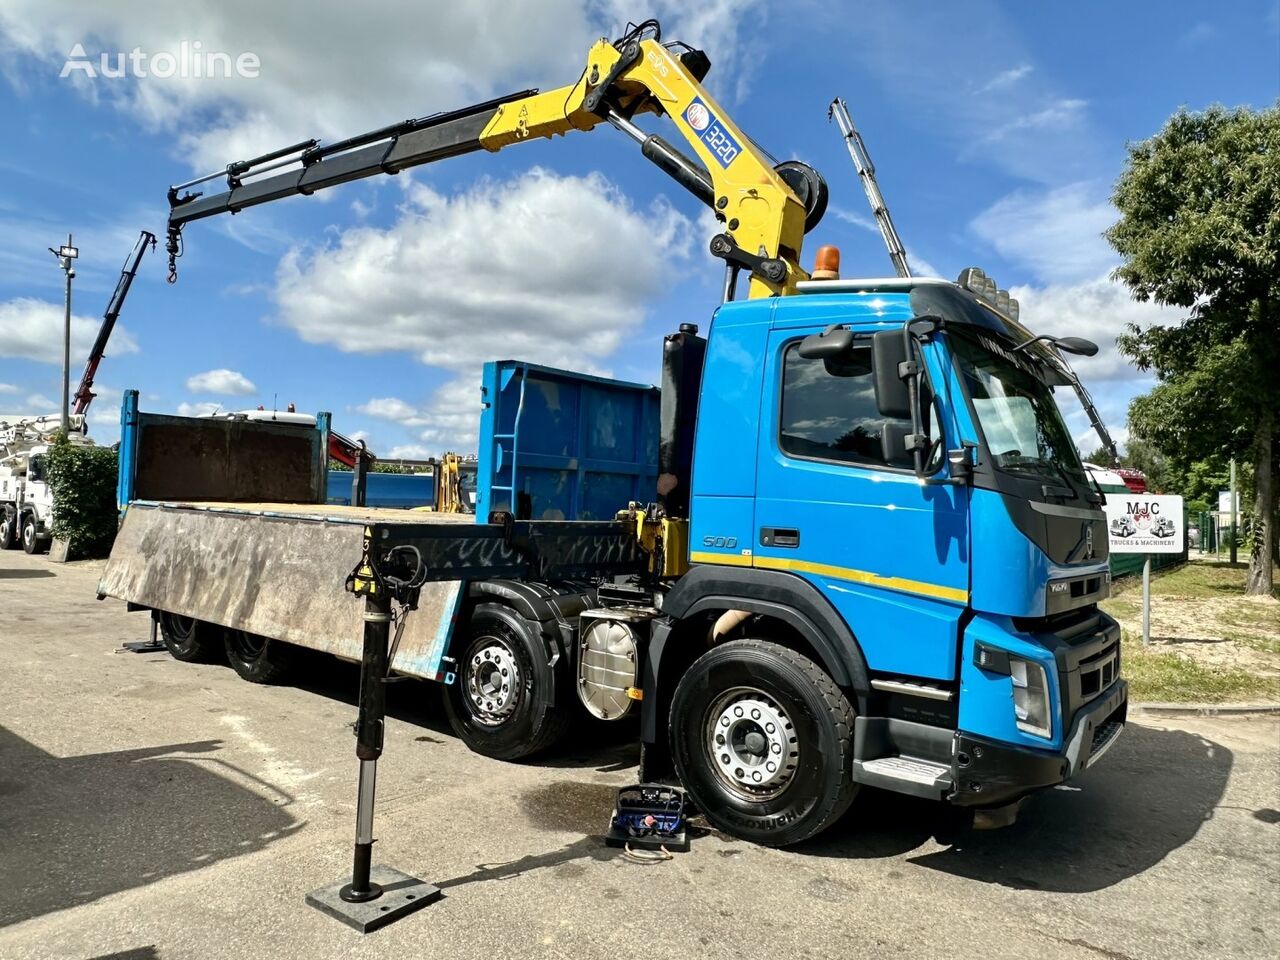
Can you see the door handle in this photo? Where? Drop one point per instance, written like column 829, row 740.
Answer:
column 779, row 537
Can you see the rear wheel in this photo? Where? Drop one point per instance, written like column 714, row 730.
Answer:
column 500, row 704
column 30, row 541
column 763, row 739
column 8, row 530
column 258, row 659
column 188, row 639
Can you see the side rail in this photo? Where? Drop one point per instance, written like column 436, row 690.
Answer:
column 511, row 550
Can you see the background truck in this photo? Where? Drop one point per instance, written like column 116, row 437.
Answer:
column 870, row 554
column 26, row 502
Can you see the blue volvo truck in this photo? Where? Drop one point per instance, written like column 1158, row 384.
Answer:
column 873, row 557
column 870, row 555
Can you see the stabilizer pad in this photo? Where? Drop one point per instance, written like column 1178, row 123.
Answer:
column 401, row 896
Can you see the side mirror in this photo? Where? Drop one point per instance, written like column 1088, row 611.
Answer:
column 893, row 443
column 830, row 343
column 1078, row 345
column 893, row 399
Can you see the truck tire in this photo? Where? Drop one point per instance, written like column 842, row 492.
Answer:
column 258, row 659
column 31, row 543
column 499, row 705
column 762, row 739
column 8, row 530
column 188, row 639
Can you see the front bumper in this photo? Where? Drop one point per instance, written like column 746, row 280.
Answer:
column 988, row 773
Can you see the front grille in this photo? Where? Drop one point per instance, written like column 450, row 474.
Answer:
column 1068, row 627
column 1099, row 671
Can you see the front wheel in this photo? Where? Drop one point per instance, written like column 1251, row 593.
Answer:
column 30, row 540
column 762, row 739
column 258, row 659
column 188, row 639
column 501, row 703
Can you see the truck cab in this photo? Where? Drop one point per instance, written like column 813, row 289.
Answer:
column 959, row 600
column 26, row 500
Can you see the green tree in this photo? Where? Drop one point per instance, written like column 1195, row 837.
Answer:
column 1140, row 454
column 83, row 483
column 1199, row 228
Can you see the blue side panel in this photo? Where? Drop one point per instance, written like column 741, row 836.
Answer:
column 899, row 634
column 727, row 433
column 891, row 554
column 986, row 697
column 1009, row 571
column 397, row 490
column 556, row 445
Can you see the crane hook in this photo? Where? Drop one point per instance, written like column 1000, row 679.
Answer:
column 173, row 246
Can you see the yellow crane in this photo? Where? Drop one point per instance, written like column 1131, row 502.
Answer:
column 766, row 208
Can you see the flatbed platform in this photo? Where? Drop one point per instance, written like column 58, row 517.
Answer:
column 331, row 512
column 276, row 570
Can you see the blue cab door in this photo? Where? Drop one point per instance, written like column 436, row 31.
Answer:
column 889, row 552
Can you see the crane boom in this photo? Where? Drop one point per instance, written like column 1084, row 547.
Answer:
column 867, row 174
column 84, row 393
column 766, row 210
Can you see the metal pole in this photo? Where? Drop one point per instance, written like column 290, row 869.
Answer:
column 369, row 727
column 1146, row 600
column 359, row 477
column 66, row 347
column 1233, row 511
column 363, row 902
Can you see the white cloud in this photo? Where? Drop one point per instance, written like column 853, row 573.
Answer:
column 408, row 451
column 221, row 381
column 1097, row 310
column 513, row 269
column 321, row 72
column 1045, row 132
column 198, row 409
column 8, row 388
column 40, row 403
column 1006, row 78
column 1056, row 233
column 32, row 329
column 1055, row 115
column 393, row 409
column 453, row 415
column 920, row 267
column 865, row 221
column 435, row 285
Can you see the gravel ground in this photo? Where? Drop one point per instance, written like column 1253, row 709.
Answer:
column 153, row 809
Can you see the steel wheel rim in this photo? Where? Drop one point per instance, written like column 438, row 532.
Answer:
column 247, row 646
column 491, row 681
column 751, row 744
column 181, row 627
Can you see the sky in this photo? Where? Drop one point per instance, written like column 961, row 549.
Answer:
column 997, row 131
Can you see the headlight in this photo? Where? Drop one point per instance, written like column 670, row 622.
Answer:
column 1031, row 697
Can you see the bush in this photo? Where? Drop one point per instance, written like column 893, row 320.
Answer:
column 83, row 483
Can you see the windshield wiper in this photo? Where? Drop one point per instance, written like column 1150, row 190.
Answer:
column 1033, row 465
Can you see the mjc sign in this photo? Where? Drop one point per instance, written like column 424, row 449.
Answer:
column 1144, row 523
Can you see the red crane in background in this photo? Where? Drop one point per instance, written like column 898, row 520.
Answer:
column 84, row 393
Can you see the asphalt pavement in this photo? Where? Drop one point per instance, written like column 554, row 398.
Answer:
column 155, row 809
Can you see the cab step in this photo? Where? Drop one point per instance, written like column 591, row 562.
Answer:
column 920, row 778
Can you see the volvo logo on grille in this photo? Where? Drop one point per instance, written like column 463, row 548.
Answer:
column 1088, row 541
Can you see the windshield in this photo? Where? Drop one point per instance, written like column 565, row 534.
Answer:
column 1015, row 408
